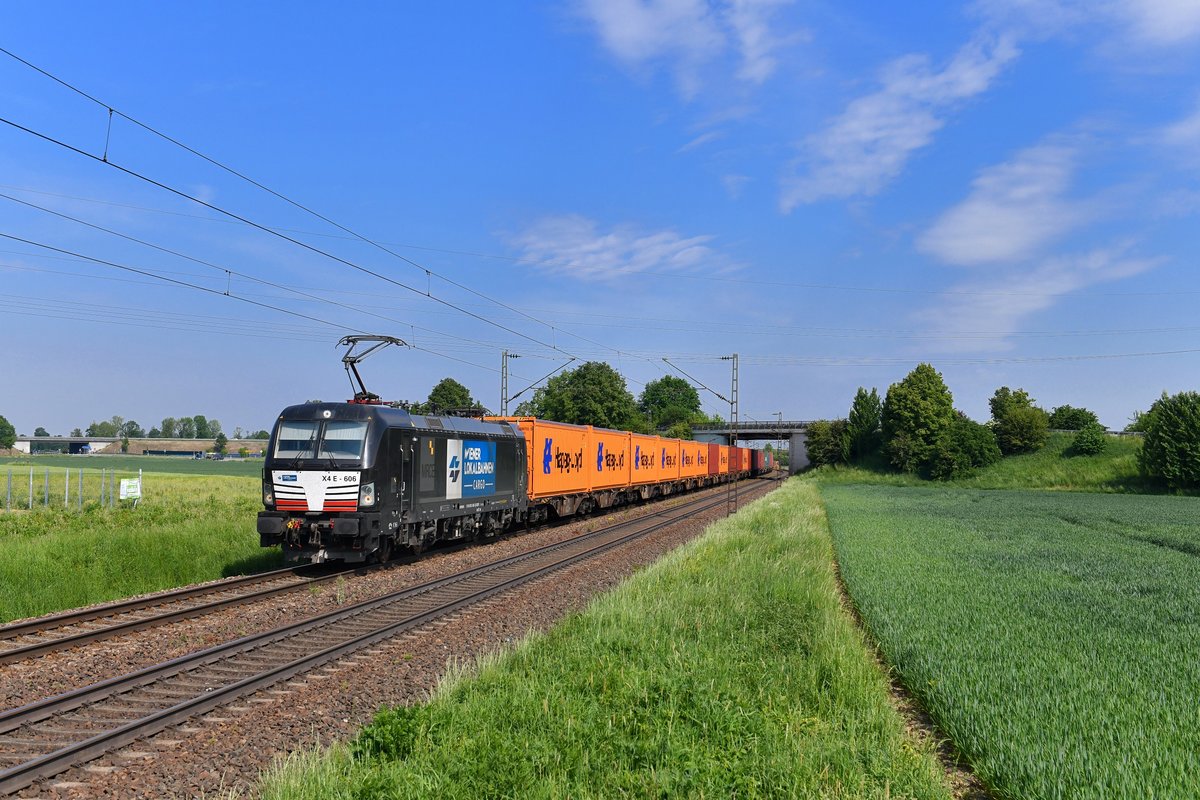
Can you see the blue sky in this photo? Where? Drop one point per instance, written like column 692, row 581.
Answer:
column 1007, row 189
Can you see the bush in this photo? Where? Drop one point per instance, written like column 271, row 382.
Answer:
column 963, row 447
column 915, row 412
column 1023, row 429
column 1068, row 418
column 1171, row 448
column 827, row 442
column 1090, row 441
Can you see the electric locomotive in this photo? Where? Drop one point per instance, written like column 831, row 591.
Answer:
column 353, row 481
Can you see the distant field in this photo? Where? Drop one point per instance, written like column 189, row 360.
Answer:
column 173, row 464
column 1053, row 636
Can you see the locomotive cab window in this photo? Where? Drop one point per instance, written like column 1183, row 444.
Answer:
column 343, row 439
column 296, row 440
column 506, row 467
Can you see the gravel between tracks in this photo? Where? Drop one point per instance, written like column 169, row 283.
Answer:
column 225, row 750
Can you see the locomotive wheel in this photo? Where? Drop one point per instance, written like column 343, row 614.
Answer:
column 384, row 553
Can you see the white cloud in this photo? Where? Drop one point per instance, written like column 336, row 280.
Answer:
column 1167, row 22
column 999, row 304
column 1184, row 134
column 1014, row 210
column 688, row 34
column 574, row 245
column 750, row 20
column 1155, row 22
column 870, row 143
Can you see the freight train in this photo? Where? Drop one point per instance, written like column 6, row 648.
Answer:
column 358, row 481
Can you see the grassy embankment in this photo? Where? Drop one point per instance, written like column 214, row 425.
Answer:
column 728, row 669
column 1053, row 467
column 187, row 528
column 1052, row 636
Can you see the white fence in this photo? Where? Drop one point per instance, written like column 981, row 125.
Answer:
column 69, row 488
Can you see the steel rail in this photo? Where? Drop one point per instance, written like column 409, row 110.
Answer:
column 53, row 644
column 48, row 764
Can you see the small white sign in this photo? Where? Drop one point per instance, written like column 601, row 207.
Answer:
column 131, row 488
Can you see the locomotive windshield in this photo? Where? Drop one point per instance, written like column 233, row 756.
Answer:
column 337, row 439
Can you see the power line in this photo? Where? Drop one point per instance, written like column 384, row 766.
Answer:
column 285, row 199
column 297, row 242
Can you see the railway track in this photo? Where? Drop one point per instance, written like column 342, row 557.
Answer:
column 41, row 739
column 37, row 637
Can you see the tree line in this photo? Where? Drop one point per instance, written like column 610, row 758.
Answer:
column 197, row 427
column 591, row 394
column 916, row 429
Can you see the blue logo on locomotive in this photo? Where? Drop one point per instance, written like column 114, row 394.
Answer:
column 478, row 469
column 454, row 469
column 547, row 456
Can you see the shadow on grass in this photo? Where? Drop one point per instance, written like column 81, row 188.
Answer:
column 265, row 561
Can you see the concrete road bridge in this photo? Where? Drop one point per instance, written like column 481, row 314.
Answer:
column 794, row 432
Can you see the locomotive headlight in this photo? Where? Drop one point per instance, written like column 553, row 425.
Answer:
column 366, row 495
column 268, row 495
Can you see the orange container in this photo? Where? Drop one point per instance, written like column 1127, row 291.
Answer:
column 714, row 458
column 611, row 458
column 693, row 459
column 668, row 459
column 645, row 459
column 723, row 460
column 557, row 456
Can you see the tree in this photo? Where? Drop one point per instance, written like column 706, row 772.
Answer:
column 1171, row 448
column 220, row 442
column 8, row 434
column 154, row 433
column 170, row 428
column 668, row 401
column 1020, row 426
column 131, row 430
column 105, row 429
column 40, row 431
column 260, row 435
column 1139, row 422
column 1022, row 430
column 76, row 432
column 201, row 424
column 1005, row 399
column 863, row 424
column 915, row 412
column 447, row 395
column 1091, row 440
column 185, row 428
column 961, row 448
column 826, row 442
column 680, row 430
column 237, row 432
column 1068, row 418
column 592, row 394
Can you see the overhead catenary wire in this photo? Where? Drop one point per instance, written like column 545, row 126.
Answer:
column 286, row 199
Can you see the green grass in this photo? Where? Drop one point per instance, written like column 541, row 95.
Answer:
column 1053, row 636
column 186, row 529
column 1052, row 467
column 728, row 669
